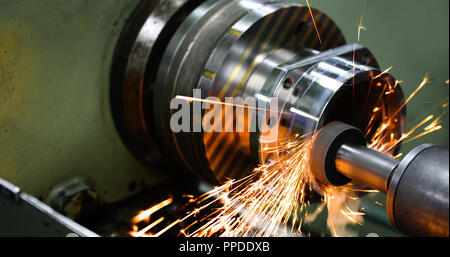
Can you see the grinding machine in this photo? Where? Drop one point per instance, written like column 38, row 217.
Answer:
column 168, row 51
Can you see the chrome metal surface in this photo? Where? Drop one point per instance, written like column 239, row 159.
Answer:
column 137, row 59
column 229, row 49
column 250, row 48
column 365, row 166
column 329, row 86
column 418, row 196
column 181, row 68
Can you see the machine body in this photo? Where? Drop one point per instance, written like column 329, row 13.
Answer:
column 239, row 49
column 259, row 49
column 417, row 188
column 263, row 50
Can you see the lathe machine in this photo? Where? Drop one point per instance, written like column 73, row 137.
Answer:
column 89, row 90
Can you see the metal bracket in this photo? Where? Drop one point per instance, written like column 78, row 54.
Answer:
column 9, row 190
column 23, row 215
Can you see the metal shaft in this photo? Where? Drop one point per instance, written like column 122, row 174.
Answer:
column 417, row 188
column 366, row 166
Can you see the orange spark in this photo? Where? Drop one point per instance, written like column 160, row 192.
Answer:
column 145, row 230
column 380, row 204
column 424, row 82
column 314, row 22
column 434, row 124
column 360, row 27
column 144, row 215
column 167, row 228
column 398, row 156
column 386, row 71
column 193, row 99
column 268, row 198
column 272, row 195
column 425, row 133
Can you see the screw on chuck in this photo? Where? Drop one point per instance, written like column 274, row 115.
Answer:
column 417, row 188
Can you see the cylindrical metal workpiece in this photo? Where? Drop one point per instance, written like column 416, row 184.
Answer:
column 417, row 187
column 365, row 166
